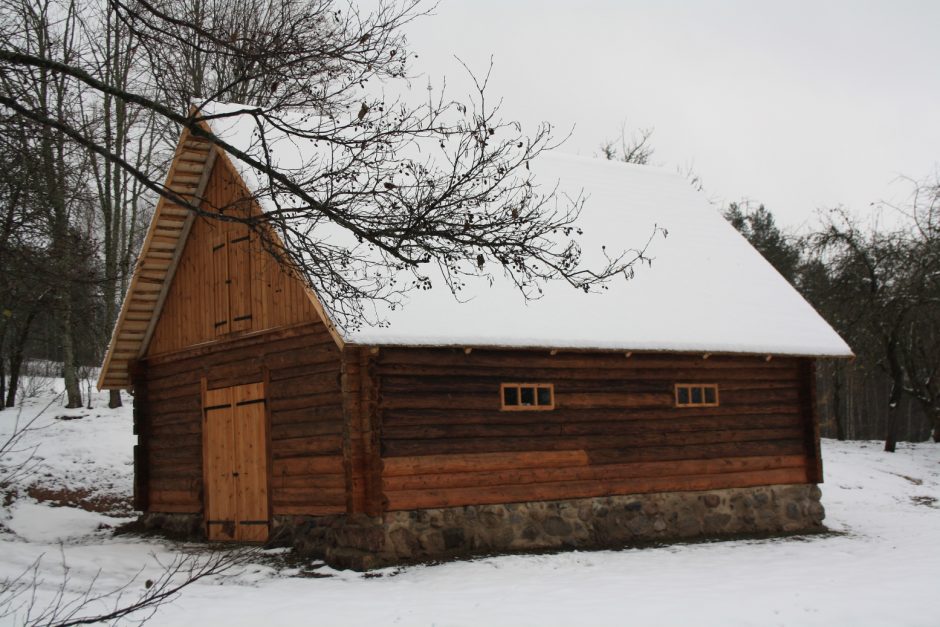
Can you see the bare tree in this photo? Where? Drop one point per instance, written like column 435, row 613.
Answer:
column 50, row 30
column 15, row 225
column 885, row 301
column 129, row 132
column 137, row 600
column 17, row 456
column 920, row 340
column 413, row 185
column 635, row 148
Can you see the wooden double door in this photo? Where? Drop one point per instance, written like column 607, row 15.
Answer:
column 236, row 463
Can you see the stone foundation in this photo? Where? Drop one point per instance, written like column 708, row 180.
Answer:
column 361, row 542
column 179, row 526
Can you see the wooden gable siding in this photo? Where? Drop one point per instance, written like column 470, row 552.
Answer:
column 615, row 428
column 261, row 288
column 300, row 366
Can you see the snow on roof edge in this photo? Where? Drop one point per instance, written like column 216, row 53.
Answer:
column 710, row 349
column 649, row 192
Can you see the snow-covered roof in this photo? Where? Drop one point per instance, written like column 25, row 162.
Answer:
column 706, row 290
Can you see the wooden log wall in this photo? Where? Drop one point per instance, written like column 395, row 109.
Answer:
column 191, row 312
column 301, row 365
column 615, row 429
column 362, row 460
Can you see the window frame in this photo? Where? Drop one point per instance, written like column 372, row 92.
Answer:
column 520, row 407
column 689, row 387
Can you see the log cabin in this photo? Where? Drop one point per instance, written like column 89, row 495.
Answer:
column 679, row 404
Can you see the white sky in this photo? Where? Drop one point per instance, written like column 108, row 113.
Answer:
column 800, row 105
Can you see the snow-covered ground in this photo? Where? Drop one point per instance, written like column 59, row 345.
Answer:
column 881, row 567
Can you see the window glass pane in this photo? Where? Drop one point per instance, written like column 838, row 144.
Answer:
column 510, row 396
column 710, row 395
column 696, row 395
column 528, row 396
column 683, row 396
column 545, row 396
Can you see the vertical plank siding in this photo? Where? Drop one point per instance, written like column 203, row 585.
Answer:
column 220, row 460
column 301, row 365
column 262, row 296
column 615, row 428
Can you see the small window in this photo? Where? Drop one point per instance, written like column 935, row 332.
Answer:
column 544, row 396
column 711, row 395
column 527, row 396
column 696, row 395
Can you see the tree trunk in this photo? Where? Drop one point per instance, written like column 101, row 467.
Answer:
column 3, row 381
column 69, row 372
column 3, row 374
column 891, row 419
column 894, row 400
column 16, row 362
column 18, row 350
column 891, row 431
column 114, row 399
column 837, row 402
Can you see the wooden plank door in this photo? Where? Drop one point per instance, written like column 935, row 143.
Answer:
column 251, row 484
column 236, row 469
column 220, row 464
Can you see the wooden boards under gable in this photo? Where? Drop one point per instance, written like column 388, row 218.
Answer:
column 226, row 285
column 261, row 294
column 220, row 277
column 240, row 279
column 231, row 281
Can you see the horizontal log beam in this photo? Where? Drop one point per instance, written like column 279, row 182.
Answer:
column 392, row 448
column 453, row 497
column 605, row 472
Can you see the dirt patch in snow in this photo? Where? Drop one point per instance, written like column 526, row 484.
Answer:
column 87, row 500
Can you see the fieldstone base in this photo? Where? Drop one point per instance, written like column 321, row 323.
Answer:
column 361, row 542
column 180, row 526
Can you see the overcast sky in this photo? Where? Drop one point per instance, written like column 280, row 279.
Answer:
column 800, row 105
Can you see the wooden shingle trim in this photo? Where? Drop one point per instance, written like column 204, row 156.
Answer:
column 114, row 369
column 177, row 253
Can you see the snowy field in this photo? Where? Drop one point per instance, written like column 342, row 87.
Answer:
column 881, row 566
